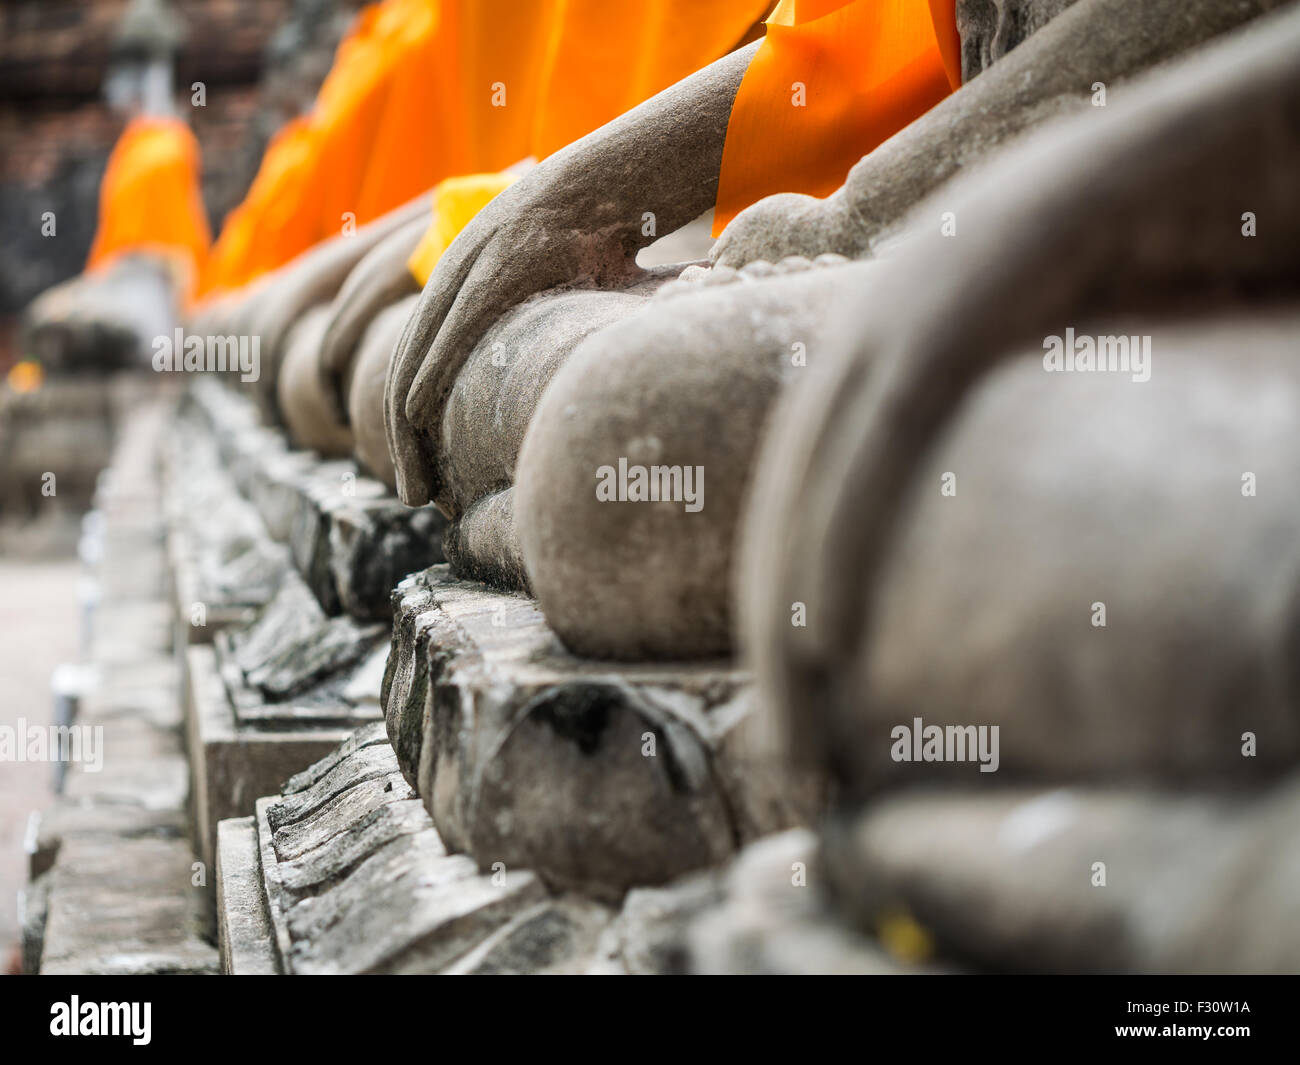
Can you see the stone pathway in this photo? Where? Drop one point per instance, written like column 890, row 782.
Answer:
column 116, row 886
column 39, row 619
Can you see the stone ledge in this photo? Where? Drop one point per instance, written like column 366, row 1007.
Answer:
column 349, row 537
column 114, row 887
column 355, row 879
column 244, row 930
column 233, row 761
column 600, row 776
column 352, row 877
column 344, row 872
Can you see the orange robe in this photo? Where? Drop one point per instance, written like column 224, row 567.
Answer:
column 311, row 182
column 149, row 199
column 423, row 90
column 590, row 61
column 605, row 58
column 268, row 229
column 832, row 80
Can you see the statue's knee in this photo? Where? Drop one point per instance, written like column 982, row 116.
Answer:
column 301, row 394
column 629, row 485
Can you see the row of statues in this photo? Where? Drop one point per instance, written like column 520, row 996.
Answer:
column 539, row 351
column 905, row 510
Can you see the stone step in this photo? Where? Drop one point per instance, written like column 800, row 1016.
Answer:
column 114, row 885
column 601, row 776
column 347, row 874
column 349, row 537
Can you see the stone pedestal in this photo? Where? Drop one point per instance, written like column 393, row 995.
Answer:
column 601, row 776
column 281, row 574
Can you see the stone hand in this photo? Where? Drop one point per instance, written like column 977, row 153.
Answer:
column 578, row 218
column 785, row 225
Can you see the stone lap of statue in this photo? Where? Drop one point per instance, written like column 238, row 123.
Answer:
column 303, row 400
column 1120, row 496
column 271, row 305
column 684, row 382
column 1102, row 565
column 363, row 384
column 376, row 282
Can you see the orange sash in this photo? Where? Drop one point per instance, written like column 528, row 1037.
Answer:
column 832, row 80
column 605, row 58
column 149, row 199
column 596, row 60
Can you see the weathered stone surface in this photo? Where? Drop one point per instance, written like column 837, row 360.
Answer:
column 362, row 309
column 125, row 906
column 311, row 419
column 337, row 855
column 365, row 391
column 221, row 571
column 373, row 544
column 406, row 679
column 1148, row 526
column 365, row 736
column 1084, row 879
column 648, row 937
column 333, row 646
column 348, row 537
column 119, row 891
column 773, row 916
column 356, row 879
column 371, row 762
column 612, row 576
column 101, row 322
column 989, row 29
column 600, row 778
column 556, row 937
column 244, row 930
column 400, row 916
column 235, row 758
column 65, row 427
column 848, row 451
column 33, row 911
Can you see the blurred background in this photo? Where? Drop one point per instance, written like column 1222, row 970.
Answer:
column 260, row 62
column 63, row 66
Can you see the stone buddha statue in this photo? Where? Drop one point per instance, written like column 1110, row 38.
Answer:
column 293, row 310
column 1042, row 481
column 540, row 356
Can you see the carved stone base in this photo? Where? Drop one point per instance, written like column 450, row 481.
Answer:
column 601, row 776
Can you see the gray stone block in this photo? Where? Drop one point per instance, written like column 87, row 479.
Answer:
column 347, row 534
column 354, row 878
column 244, row 929
column 233, row 761
column 599, row 776
column 123, row 906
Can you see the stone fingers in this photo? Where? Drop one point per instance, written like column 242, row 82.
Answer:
column 500, row 278
column 414, row 477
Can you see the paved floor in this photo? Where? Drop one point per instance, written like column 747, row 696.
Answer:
column 39, row 622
